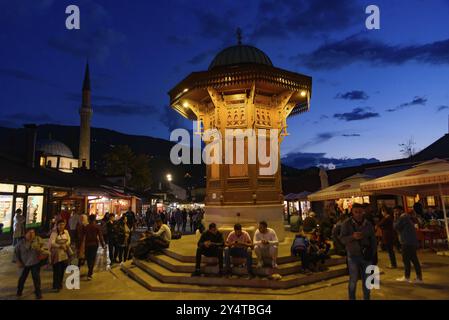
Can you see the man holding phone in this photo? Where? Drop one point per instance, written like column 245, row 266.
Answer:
column 239, row 245
column 357, row 234
column 210, row 245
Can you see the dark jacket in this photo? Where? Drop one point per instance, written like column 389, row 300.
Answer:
column 353, row 246
column 216, row 238
column 119, row 232
column 406, row 229
column 388, row 233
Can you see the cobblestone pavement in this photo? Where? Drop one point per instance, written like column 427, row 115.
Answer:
column 113, row 284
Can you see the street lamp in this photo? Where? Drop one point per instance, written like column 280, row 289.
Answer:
column 169, row 177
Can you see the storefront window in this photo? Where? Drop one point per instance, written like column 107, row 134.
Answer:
column 431, row 201
column 410, row 202
column 34, row 211
column 6, row 187
column 21, row 189
column 34, row 189
column 6, row 212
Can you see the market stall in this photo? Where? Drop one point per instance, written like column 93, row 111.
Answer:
column 429, row 178
column 345, row 193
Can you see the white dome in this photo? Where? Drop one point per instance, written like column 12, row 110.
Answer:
column 51, row 147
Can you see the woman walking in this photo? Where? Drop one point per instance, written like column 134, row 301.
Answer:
column 122, row 236
column 60, row 252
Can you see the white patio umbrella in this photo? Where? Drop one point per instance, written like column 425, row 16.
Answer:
column 348, row 188
column 428, row 178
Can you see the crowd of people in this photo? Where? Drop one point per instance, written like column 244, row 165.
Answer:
column 179, row 220
column 73, row 239
column 356, row 234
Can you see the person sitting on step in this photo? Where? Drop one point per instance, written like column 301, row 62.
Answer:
column 210, row 245
column 159, row 238
column 265, row 244
column 300, row 248
column 239, row 245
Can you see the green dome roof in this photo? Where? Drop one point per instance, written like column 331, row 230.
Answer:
column 240, row 54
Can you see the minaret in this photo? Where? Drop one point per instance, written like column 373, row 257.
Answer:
column 85, row 116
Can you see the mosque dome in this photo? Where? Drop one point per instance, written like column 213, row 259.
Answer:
column 240, row 54
column 50, row 147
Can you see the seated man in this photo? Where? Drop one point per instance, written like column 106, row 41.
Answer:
column 239, row 245
column 211, row 245
column 153, row 240
column 300, row 247
column 265, row 244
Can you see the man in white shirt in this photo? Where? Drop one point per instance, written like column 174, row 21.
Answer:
column 161, row 237
column 265, row 244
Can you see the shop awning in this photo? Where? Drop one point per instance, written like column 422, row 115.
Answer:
column 428, row 178
column 423, row 179
column 348, row 188
column 302, row 196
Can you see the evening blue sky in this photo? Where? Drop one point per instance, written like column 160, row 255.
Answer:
column 372, row 89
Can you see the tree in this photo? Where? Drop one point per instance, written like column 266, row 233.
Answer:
column 122, row 161
column 408, row 147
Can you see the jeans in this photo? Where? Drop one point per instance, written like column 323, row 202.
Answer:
column 209, row 252
column 389, row 248
column 111, row 250
column 304, row 258
column 91, row 255
column 58, row 273
column 357, row 269
column 239, row 253
column 35, row 273
column 409, row 255
column 266, row 251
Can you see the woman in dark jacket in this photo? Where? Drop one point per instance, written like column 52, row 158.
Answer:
column 388, row 234
column 122, row 236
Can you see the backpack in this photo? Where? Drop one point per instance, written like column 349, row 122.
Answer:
column 299, row 244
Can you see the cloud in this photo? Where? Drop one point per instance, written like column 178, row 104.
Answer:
column 319, row 138
column 173, row 120
column 351, row 135
column 217, row 24
column 96, row 37
column 356, row 48
column 282, row 18
column 417, row 101
column 441, row 108
column 22, row 75
column 201, row 57
column 356, row 115
column 125, row 110
column 20, row 118
column 96, row 44
column 303, row 160
column 353, row 95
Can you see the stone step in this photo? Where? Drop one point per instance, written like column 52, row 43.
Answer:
column 191, row 258
column 175, row 265
column 153, row 284
column 182, row 278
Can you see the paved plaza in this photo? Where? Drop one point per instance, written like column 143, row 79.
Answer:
column 114, row 284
